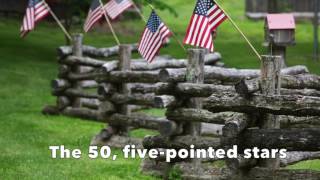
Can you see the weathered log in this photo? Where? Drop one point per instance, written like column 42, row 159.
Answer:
column 302, row 92
column 200, row 90
column 84, row 61
column 173, row 75
column 77, row 52
column 200, row 115
column 278, row 104
column 239, row 163
column 180, row 142
column 303, row 81
column 63, row 70
column 137, row 99
column 90, row 103
column 84, row 76
column 247, row 87
column 295, row 122
column 89, row 84
column 106, row 89
column 137, row 120
column 223, row 74
column 290, row 139
column 87, row 69
column 135, row 108
column 50, row 110
column 295, row 157
column 164, row 101
column 124, row 65
column 106, row 108
column 142, row 88
column 219, row 64
column 295, row 70
column 157, row 88
column 237, row 124
column 212, row 58
column 129, row 77
column 109, row 66
column 281, row 174
column 104, row 135
column 270, row 85
column 63, row 102
column 170, row 128
column 187, row 114
column 208, row 129
column 159, row 63
column 92, row 51
column 76, row 93
column 83, row 113
column 60, row 84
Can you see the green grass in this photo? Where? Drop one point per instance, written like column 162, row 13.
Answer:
column 28, row 65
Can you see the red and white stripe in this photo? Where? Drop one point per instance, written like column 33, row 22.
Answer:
column 151, row 43
column 114, row 9
column 32, row 16
column 199, row 32
column 93, row 17
column 216, row 17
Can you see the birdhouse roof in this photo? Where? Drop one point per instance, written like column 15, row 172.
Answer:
column 280, row 21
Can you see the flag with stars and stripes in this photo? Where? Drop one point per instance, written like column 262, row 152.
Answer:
column 207, row 16
column 115, row 7
column 94, row 15
column 154, row 36
column 36, row 11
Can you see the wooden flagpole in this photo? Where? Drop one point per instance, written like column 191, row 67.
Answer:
column 239, row 30
column 173, row 34
column 58, row 21
column 109, row 23
column 139, row 12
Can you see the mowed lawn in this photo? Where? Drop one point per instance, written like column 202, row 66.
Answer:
column 28, row 65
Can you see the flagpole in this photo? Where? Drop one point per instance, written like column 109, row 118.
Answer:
column 109, row 23
column 173, row 34
column 58, row 21
column 239, row 30
column 139, row 12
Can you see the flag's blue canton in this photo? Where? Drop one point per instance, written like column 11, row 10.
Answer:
column 210, row 4
column 32, row 3
column 201, row 7
column 95, row 4
column 154, row 22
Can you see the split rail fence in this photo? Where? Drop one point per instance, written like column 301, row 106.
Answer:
column 206, row 106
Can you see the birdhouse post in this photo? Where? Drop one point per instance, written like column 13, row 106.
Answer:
column 279, row 33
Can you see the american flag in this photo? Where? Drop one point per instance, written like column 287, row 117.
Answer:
column 207, row 16
column 94, row 15
column 36, row 10
column 115, row 7
column 153, row 37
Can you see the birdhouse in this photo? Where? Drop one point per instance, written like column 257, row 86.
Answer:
column 280, row 29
